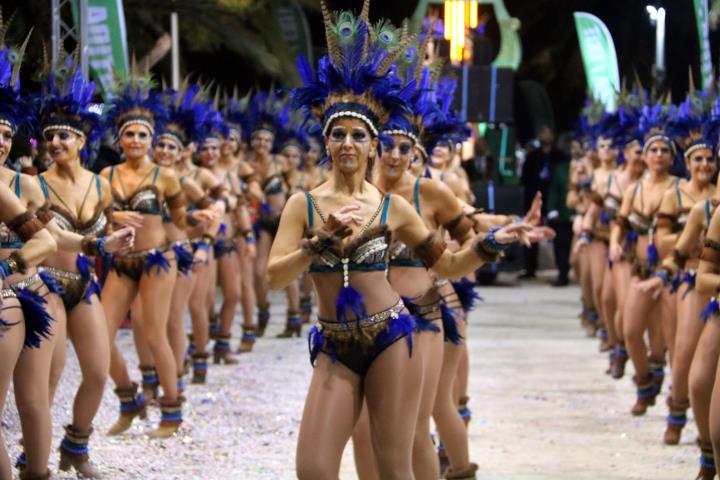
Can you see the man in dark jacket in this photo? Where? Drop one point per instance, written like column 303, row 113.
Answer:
column 537, row 175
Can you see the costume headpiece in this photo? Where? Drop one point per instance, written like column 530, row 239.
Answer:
column 15, row 110
column 441, row 123
column 66, row 102
column 184, row 114
column 213, row 126
column 235, row 112
column 293, row 129
column 354, row 79
column 262, row 114
column 134, row 103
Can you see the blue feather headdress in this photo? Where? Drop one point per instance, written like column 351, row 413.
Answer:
column 183, row 116
column 262, row 114
column 16, row 110
column 213, row 126
column 65, row 103
column 653, row 122
column 441, row 123
column 293, row 129
column 235, row 112
column 355, row 79
column 134, row 103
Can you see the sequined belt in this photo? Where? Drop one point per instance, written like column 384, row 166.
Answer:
column 7, row 293
column 179, row 243
column 363, row 330
column 62, row 274
column 20, row 284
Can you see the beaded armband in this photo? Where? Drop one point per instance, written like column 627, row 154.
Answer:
column 430, row 250
column 25, row 225
column 15, row 263
column 488, row 248
column 663, row 275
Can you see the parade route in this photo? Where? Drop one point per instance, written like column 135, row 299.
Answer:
column 542, row 407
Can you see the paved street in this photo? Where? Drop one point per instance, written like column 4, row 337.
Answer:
column 542, row 407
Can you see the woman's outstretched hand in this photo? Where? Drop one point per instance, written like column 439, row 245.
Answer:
column 516, row 232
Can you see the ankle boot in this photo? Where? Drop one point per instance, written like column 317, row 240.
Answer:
column 263, row 318
column 306, row 308
column 74, row 453
column 200, row 366
column 132, row 404
column 657, row 367
column 463, row 409
column 247, row 341
column 707, row 462
column 150, row 383
column 467, row 473
column 676, row 420
column 293, row 326
column 181, row 386
column 604, row 344
column 24, row 475
column 443, row 459
column 213, row 325
column 221, row 351
column 170, row 418
column 646, row 393
column 591, row 327
column 617, row 366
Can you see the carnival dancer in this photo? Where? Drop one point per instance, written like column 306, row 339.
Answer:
column 270, row 170
column 225, row 265
column 80, row 202
column 181, row 125
column 635, row 221
column 600, row 214
column 139, row 190
column 233, row 153
column 24, row 242
column 358, row 355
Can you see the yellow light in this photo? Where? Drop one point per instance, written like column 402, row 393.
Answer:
column 460, row 41
column 448, row 19
column 466, row 11
column 473, row 14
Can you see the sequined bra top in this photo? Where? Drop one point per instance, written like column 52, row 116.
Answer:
column 400, row 254
column 274, row 184
column 367, row 252
column 96, row 225
column 9, row 239
column 145, row 200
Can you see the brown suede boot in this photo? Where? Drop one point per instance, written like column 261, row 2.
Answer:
column 676, row 420
column 132, row 404
column 74, row 453
column 467, row 473
column 150, row 383
column 221, row 350
column 707, row 462
column 170, row 418
column 247, row 341
column 263, row 318
column 646, row 393
column 293, row 326
column 200, row 367
column 24, row 475
column 617, row 362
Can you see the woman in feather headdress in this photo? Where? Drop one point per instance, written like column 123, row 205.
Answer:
column 233, row 154
column 362, row 349
column 180, row 125
column 632, row 237
column 263, row 124
column 599, row 215
column 236, row 219
column 140, row 189
column 698, row 135
column 79, row 203
column 24, row 242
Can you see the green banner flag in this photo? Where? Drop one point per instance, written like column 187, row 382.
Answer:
column 599, row 58
column 293, row 27
column 106, row 41
column 706, row 68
